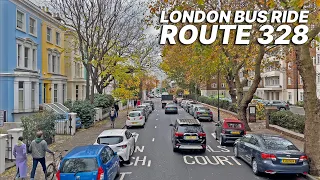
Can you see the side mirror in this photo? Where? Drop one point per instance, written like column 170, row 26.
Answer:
column 115, row 153
column 171, row 125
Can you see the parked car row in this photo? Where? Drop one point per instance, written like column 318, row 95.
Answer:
column 198, row 111
column 140, row 115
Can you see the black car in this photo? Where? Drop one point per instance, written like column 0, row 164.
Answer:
column 171, row 108
column 188, row 134
column 150, row 102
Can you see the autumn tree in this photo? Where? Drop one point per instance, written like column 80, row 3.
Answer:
column 104, row 29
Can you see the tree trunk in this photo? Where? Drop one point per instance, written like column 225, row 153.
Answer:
column 242, row 115
column 140, row 90
column 311, row 107
column 232, row 91
column 87, row 84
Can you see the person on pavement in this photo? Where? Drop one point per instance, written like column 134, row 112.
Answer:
column 135, row 103
column 38, row 149
column 112, row 116
column 20, row 153
column 116, row 107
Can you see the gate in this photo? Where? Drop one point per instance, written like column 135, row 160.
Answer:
column 9, row 148
column 64, row 126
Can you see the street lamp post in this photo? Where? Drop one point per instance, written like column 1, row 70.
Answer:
column 219, row 90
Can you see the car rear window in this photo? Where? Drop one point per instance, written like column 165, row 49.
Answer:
column 190, row 129
column 79, row 165
column 277, row 143
column 110, row 140
column 234, row 125
column 134, row 114
column 204, row 108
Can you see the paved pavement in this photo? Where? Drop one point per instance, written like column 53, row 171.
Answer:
column 297, row 110
column 155, row 160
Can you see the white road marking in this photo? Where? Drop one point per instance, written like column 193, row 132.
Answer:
column 149, row 163
column 214, row 136
column 140, row 149
column 157, row 114
column 156, row 119
column 155, row 127
column 123, row 174
column 135, row 135
column 152, row 139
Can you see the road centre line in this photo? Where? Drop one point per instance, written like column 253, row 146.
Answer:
column 152, row 139
column 155, row 127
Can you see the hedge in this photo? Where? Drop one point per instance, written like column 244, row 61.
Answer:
column 103, row 100
column 288, row 120
column 300, row 103
column 85, row 110
column 44, row 121
column 224, row 104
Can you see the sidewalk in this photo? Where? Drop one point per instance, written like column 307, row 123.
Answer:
column 260, row 127
column 65, row 142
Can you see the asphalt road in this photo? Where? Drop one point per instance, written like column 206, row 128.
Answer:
column 155, row 160
column 297, row 110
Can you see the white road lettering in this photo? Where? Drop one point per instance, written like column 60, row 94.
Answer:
column 223, row 159
column 156, row 119
column 235, row 160
column 155, row 127
column 123, row 174
column 140, row 149
column 152, row 139
column 136, row 136
column 223, row 149
column 204, row 162
column 185, row 159
column 214, row 136
column 149, row 163
column 213, row 163
column 138, row 159
column 210, row 149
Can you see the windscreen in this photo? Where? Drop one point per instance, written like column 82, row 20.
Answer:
column 79, row 165
column 134, row 114
column 277, row 143
column 234, row 125
column 110, row 140
column 190, row 129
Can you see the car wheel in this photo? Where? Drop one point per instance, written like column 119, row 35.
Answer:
column 254, row 166
column 118, row 171
column 215, row 133
column 221, row 141
column 175, row 149
column 128, row 161
column 235, row 151
column 202, row 150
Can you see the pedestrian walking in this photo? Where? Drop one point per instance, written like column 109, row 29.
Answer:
column 20, row 153
column 116, row 107
column 112, row 116
column 38, row 149
column 135, row 103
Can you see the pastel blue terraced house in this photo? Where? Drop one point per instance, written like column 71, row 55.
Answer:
column 20, row 58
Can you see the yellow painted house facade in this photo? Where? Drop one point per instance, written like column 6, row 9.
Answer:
column 53, row 62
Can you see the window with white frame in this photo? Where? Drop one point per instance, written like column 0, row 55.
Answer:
column 21, row 20
column 58, row 38
column 301, row 82
column 77, row 92
column 32, row 26
column 19, row 55
column 289, row 81
column 33, row 105
column 301, row 96
column 313, row 60
column 63, row 92
column 318, row 78
column 34, row 59
column 26, row 57
column 289, row 95
column 26, row 54
column 213, row 85
column 53, row 62
column 318, row 58
column 55, row 93
column 223, row 85
column 49, row 34
column 21, row 96
column 83, row 90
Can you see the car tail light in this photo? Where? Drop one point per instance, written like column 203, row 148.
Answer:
column 202, row 134
column 268, row 156
column 198, row 112
column 123, row 146
column 58, row 175
column 100, row 175
column 178, row 134
column 210, row 113
column 303, row 158
column 141, row 117
column 244, row 132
